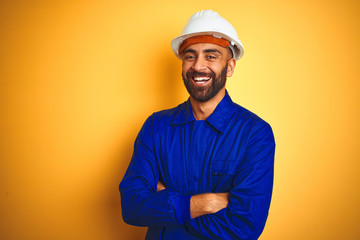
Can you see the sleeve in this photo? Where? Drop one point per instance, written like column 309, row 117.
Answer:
column 141, row 204
column 249, row 197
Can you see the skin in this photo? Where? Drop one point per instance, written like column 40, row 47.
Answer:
column 216, row 62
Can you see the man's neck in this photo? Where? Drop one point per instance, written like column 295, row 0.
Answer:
column 202, row 110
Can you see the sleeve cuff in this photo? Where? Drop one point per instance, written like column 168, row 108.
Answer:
column 182, row 209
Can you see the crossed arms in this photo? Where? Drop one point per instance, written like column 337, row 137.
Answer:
column 240, row 213
column 206, row 203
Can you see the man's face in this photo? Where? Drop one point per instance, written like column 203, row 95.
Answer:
column 205, row 67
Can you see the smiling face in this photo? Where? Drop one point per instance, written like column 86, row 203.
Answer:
column 205, row 67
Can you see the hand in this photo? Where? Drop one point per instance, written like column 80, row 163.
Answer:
column 208, row 203
column 160, row 187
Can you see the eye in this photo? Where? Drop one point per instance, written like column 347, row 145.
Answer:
column 211, row 57
column 189, row 57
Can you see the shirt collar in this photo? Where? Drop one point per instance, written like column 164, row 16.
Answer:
column 219, row 119
column 184, row 114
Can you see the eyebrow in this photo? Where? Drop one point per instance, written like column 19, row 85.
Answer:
column 189, row 50
column 210, row 50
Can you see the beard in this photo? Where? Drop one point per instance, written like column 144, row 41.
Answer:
column 205, row 93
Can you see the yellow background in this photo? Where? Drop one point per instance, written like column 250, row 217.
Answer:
column 78, row 79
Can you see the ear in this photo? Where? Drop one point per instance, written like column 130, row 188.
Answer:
column 231, row 67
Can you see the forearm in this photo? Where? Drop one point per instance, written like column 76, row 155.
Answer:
column 208, row 203
column 244, row 218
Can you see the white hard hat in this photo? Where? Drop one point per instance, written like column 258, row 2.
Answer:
column 208, row 22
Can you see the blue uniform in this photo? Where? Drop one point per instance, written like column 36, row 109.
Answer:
column 231, row 151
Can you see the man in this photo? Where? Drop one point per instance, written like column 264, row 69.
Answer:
column 202, row 170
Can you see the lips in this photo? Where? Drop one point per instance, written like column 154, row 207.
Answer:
column 201, row 80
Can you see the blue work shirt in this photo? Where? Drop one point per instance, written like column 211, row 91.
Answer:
column 231, row 151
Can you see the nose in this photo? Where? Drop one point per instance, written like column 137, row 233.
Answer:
column 199, row 64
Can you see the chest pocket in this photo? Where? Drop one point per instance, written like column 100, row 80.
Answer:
column 222, row 174
column 223, row 167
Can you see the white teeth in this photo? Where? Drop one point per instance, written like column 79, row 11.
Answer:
column 200, row 79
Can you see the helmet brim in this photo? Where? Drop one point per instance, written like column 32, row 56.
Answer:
column 237, row 45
